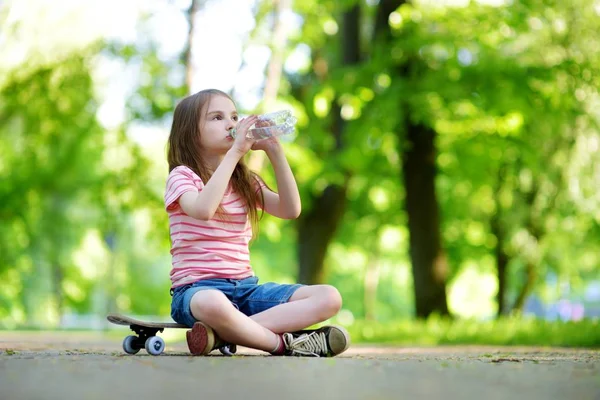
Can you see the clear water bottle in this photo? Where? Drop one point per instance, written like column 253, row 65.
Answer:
column 277, row 123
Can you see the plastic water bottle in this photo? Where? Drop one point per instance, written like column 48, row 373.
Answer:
column 277, row 123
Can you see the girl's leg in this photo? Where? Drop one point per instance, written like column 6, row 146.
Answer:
column 214, row 309
column 309, row 305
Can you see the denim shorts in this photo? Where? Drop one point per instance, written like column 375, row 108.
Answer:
column 246, row 295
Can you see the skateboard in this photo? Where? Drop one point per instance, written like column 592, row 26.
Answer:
column 146, row 338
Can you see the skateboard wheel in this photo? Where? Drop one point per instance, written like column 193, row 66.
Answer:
column 129, row 345
column 228, row 350
column 155, row 345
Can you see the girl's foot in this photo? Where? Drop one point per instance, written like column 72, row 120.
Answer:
column 202, row 339
column 327, row 341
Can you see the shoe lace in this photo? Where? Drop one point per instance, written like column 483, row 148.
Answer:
column 307, row 344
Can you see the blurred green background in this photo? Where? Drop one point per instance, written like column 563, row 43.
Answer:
column 446, row 154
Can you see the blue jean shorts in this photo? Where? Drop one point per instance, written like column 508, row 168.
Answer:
column 246, row 295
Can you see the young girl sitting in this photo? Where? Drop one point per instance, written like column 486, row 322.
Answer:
column 212, row 200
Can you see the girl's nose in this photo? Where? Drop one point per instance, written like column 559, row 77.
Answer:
column 230, row 124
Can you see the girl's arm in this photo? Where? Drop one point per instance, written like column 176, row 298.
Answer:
column 286, row 203
column 203, row 204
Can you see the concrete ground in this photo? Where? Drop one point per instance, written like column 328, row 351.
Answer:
column 93, row 366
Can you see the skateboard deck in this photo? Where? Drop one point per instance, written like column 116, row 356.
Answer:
column 120, row 319
column 146, row 332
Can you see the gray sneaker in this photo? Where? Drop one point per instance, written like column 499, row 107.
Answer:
column 327, row 341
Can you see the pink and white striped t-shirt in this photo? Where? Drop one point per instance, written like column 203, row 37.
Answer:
column 217, row 248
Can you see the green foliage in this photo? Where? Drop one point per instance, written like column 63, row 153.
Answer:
column 510, row 91
column 502, row 332
column 50, row 156
column 69, row 188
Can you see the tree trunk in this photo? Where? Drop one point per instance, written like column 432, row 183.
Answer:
column 188, row 50
column 501, row 257
column 532, row 260
column 370, row 286
column 110, row 286
column 530, row 278
column 381, row 31
column 256, row 159
column 57, row 280
column 429, row 262
column 53, row 253
column 501, row 265
column 317, row 227
column 275, row 67
column 316, row 230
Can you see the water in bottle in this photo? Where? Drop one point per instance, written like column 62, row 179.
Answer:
column 278, row 123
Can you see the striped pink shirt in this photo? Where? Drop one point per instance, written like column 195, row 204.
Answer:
column 217, row 248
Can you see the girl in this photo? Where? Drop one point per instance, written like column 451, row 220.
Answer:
column 212, row 201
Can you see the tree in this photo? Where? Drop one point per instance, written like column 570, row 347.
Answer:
column 317, row 225
column 418, row 149
column 46, row 203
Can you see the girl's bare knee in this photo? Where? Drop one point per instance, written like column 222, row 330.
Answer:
column 330, row 301
column 210, row 305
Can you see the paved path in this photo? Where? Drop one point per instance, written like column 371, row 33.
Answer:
column 89, row 366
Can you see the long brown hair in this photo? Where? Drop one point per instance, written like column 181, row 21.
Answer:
column 184, row 149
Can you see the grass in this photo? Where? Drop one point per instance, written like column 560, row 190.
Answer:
column 434, row 331
column 509, row 332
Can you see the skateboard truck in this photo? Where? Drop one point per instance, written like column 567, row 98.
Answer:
column 146, row 338
column 144, row 334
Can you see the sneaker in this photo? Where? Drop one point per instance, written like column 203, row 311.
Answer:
column 327, row 341
column 202, row 339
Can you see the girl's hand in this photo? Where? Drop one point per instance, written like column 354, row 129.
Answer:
column 269, row 144
column 242, row 144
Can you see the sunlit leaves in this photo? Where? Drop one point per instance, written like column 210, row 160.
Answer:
column 511, row 91
column 322, row 101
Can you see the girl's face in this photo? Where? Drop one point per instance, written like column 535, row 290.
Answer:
column 215, row 123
